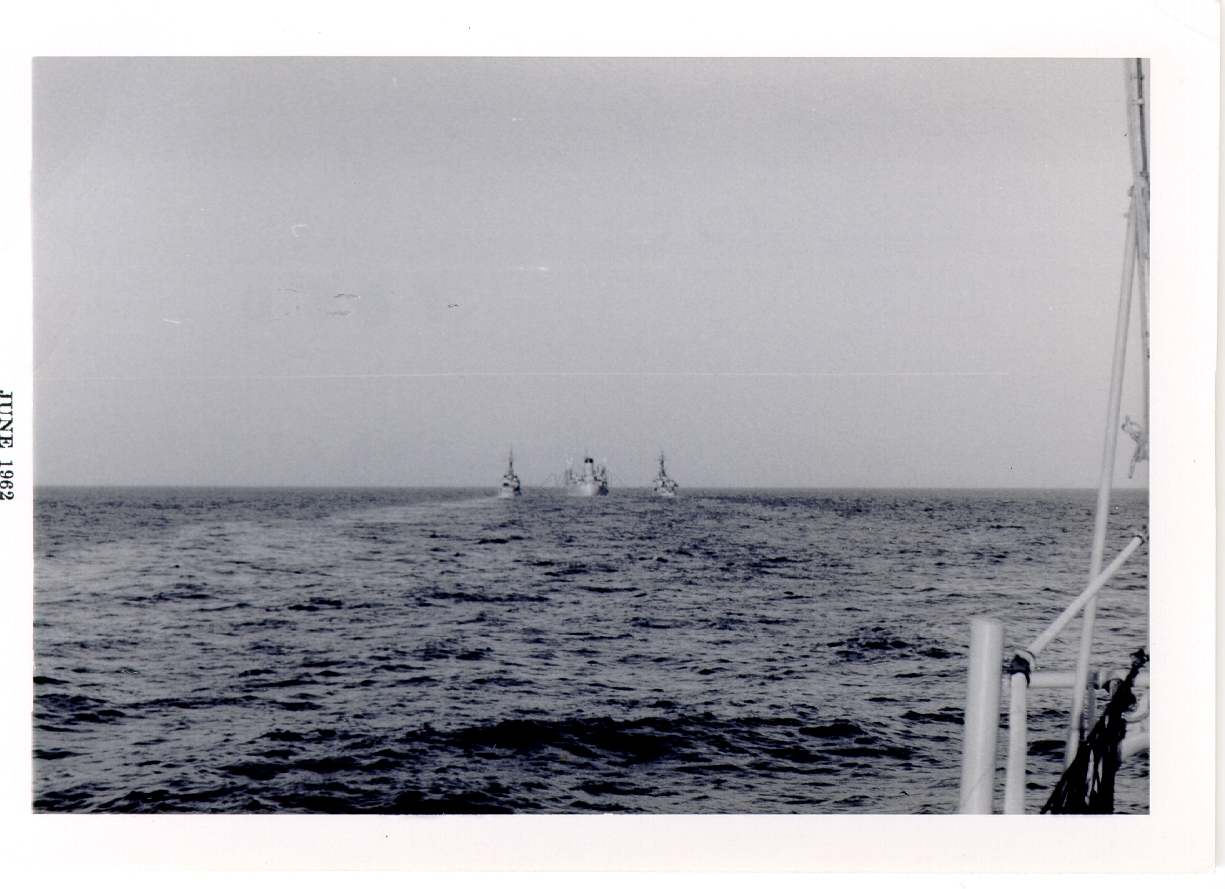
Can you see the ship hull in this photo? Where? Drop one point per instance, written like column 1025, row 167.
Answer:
column 588, row 489
column 665, row 487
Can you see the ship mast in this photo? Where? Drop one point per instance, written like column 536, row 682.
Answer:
column 1135, row 271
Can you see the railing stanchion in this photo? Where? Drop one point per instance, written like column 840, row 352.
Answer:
column 982, row 716
column 1018, row 741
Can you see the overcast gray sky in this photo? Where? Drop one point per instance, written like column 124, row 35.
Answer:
column 791, row 273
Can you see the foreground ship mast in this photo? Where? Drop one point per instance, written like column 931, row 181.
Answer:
column 1095, row 747
column 1135, row 270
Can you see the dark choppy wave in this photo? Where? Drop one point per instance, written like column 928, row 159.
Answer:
column 694, row 762
column 442, row 652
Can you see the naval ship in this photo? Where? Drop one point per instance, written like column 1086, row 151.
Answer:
column 591, row 481
column 664, row 486
column 510, row 481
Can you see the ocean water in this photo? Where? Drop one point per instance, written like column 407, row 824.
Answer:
column 443, row 651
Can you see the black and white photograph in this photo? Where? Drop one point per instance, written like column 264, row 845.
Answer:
column 696, row 434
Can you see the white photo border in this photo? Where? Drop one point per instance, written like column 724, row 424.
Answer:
column 1181, row 37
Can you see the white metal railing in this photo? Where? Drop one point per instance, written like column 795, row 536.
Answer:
column 982, row 716
column 984, row 691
